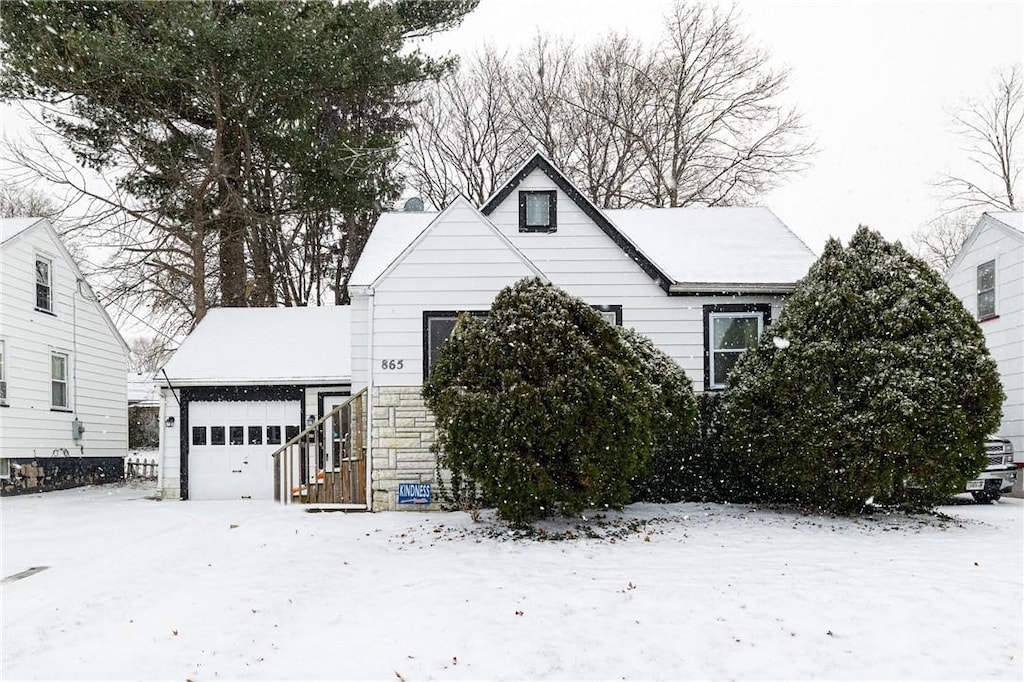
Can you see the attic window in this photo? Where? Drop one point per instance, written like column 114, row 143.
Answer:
column 44, row 285
column 987, row 290
column 537, row 211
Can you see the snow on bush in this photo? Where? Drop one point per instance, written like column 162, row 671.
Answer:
column 885, row 388
column 542, row 404
column 672, row 474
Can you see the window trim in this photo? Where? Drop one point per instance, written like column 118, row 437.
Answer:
column 442, row 314
column 49, row 284
column 733, row 310
column 614, row 308
column 980, row 291
column 3, row 373
column 66, row 380
column 552, row 225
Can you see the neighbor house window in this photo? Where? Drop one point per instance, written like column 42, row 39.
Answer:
column 987, row 290
column 3, row 374
column 728, row 331
column 437, row 327
column 59, row 380
column 537, row 211
column 44, row 285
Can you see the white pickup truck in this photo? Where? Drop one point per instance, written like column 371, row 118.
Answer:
column 998, row 476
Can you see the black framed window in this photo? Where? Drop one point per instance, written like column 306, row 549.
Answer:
column 273, row 435
column 198, row 435
column 217, row 435
column 44, row 284
column 236, row 435
column 987, row 290
column 729, row 330
column 538, row 211
column 290, row 432
column 612, row 313
column 255, row 435
column 437, row 327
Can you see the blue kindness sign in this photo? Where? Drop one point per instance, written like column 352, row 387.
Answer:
column 413, row 493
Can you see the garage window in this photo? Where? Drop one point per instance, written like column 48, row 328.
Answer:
column 236, row 435
column 273, row 435
column 255, row 435
column 198, row 435
column 290, row 432
column 216, row 435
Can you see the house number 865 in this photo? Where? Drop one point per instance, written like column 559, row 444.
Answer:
column 392, row 364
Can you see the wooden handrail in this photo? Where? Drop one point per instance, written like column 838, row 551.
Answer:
column 282, row 456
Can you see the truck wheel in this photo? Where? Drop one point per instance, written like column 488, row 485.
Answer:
column 982, row 498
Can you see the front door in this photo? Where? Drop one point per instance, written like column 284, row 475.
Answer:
column 339, row 454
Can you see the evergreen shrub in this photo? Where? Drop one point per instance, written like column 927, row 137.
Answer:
column 541, row 404
column 874, row 383
column 670, row 475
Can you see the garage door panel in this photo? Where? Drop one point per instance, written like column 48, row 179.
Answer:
column 234, row 462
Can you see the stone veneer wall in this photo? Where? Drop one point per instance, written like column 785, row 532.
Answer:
column 403, row 432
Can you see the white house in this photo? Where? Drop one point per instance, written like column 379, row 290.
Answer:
column 682, row 277
column 63, row 368
column 245, row 381
column 988, row 276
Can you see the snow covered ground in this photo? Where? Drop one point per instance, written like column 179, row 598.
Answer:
column 143, row 589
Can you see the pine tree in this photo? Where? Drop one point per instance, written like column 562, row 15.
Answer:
column 542, row 404
column 875, row 382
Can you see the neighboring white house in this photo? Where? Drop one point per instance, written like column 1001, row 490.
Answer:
column 681, row 276
column 245, row 381
column 63, row 368
column 988, row 276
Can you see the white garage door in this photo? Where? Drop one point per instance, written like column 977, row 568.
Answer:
column 230, row 443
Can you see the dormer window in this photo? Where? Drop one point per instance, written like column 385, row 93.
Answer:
column 537, row 212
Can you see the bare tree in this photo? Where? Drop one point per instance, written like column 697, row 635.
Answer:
column 939, row 241
column 463, row 139
column 26, row 202
column 694, row 119
column 991, row 129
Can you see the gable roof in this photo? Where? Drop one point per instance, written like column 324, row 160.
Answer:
column 1010, row 223
column 541, row 162
column 15, row 227
column 266, row 346
column 741, row 249
column 404, row 233
column 1011, row 219
column 12, row 227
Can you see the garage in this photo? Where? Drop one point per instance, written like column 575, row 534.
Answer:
column 230, row 443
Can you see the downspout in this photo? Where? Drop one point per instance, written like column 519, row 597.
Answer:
column 369, row 400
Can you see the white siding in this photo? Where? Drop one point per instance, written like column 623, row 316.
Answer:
column 97, row 364
column 359, row 336
column 584, row 261
column 461, row 264
column 1004, row 334
column 170, row 446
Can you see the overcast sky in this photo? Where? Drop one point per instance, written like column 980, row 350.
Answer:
column 875, row 81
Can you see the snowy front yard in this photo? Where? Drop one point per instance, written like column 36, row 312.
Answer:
column 137, row 588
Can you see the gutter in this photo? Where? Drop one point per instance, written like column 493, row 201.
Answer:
column 729, row 288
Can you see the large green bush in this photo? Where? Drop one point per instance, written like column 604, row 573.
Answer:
column 541, row 404
column 874, row 383
column 671, row 474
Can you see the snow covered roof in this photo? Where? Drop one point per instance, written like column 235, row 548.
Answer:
column 722, row 245
column 695, row 247
column 392, row 234
column 265, row 346
column 12, row 227
column 143, row 389
column 1014, row 219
